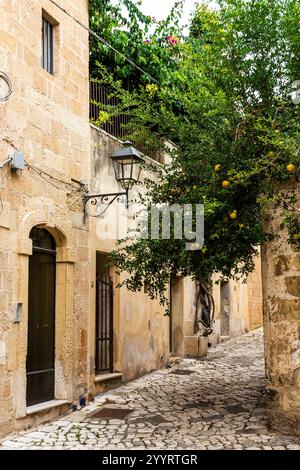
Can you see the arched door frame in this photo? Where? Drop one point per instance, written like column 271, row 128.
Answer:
column 40, row 364
column 64, row 318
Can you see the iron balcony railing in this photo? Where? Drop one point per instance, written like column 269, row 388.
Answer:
column 116, row 125
column 99, row 95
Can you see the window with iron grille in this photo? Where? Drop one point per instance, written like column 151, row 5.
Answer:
column 47, row 46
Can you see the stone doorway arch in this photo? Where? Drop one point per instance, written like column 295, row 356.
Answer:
column 61, row 231
column 40, row 361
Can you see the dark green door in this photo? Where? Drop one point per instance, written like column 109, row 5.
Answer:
column 41, row 316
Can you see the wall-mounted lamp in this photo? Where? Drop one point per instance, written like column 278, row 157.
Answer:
column 127, row 163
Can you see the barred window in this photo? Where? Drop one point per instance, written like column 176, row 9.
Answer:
column 47, row 46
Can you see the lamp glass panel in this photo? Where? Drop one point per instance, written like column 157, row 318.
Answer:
column 117, row 169
column 127, row 168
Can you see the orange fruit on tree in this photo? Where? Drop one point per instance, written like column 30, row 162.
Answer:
column 291, row 168
column 233, row 215
column 218, row 167
column 226, row 184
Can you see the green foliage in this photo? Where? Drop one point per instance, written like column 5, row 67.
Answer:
column 141, row 38
column 225, row 103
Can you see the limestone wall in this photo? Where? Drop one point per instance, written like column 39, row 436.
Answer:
column 47, row 119
column 238, row 304
column 141, row 330
column 281, row 292
column 255, row 304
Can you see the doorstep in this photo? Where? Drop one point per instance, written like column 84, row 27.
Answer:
column 47, row 405
column 107, row 377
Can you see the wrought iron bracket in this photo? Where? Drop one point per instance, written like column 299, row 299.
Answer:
column 7, row 80
column 105, row 199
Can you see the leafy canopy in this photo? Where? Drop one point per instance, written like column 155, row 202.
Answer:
column 143, row 39
column 223, row 98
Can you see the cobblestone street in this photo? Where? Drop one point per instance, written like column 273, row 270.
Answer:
column 213, row 403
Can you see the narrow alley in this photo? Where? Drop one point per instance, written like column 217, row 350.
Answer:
column 205, row 404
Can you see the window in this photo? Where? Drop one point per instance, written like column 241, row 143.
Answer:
column 47, row 46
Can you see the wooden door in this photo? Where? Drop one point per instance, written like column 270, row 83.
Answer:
column 41, row 319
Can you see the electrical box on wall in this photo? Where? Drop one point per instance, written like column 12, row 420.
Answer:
column 17, row 312
column 17, row 161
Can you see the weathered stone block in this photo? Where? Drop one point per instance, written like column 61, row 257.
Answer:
column 296, row 262
column 195, row 346
column 287, row 309
column 191, row 346
column 213, row 340
column 282, row 264
column 203, row 346
column 5, row 216
column 293, row 285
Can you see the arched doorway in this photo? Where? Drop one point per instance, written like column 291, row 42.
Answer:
column 41, row 318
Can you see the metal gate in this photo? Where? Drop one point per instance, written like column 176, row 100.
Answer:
column 104, row 325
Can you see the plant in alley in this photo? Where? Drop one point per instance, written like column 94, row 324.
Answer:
column 225, row 104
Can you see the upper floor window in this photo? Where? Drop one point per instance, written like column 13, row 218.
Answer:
column 48, row 46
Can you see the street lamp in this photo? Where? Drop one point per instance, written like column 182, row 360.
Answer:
column 127, row 163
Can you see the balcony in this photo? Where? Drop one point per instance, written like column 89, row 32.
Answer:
column 117, row 125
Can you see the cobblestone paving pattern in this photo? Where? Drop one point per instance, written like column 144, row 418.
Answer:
column 212, row 403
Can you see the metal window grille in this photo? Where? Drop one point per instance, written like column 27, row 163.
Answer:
column 47, row 46
column 104, row 325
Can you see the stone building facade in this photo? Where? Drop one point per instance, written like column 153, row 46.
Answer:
column 44, row 240
column 47, row 120
column 140, row 329
column 281, row 293
column 54, row 280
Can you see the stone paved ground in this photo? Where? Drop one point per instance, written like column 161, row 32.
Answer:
column 215, row 403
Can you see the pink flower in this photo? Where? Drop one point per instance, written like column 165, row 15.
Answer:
column 173, row 40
